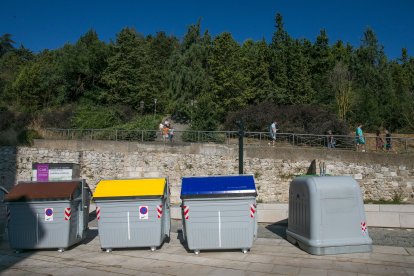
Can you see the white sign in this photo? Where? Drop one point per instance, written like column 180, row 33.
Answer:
column 143, row 212
column 48, row 214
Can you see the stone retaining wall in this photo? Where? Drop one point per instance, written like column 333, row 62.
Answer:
column 381, row 175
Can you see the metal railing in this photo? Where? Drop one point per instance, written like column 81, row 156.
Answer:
column 343, row 142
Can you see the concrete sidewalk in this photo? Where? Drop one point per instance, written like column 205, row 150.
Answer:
column 267, row 257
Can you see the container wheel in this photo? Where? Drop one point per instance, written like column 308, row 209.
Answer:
column 61, row 250
column 108, row 250
column 244, row 250
column 197, row 252
column 153, row 248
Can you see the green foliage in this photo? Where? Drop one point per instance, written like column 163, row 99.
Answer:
column 146, row 122
column 26, row 137
column 290, row 119
column 202, row 80
column 88, row 117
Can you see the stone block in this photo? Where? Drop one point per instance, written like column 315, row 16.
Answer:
column 407, row 220
column 383, row 219
column 397, row 208
column 372, row 207
column 175, row 212
column 152, row 174
column 134, row 174
column 358, row 176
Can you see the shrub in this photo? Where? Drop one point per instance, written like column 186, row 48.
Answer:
column 291, row 119
column 26, row 137
column 94, row 117
column 58, row 118
column 6, row 119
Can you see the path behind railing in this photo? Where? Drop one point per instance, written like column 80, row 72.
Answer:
column 343, row 142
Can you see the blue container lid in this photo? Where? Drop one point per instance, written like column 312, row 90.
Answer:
column 214, row 186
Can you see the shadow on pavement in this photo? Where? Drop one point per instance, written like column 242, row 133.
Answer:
column 278, row 228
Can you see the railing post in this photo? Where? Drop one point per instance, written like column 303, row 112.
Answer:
column 116, row 135
column 142, row 136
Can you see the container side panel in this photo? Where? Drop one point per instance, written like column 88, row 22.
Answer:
column 31, row 229
column 121, row 224
column 299, row 209
column 219, row 224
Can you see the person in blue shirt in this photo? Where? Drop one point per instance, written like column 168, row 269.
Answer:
column 359, row 138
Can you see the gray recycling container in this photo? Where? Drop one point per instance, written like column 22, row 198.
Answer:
column 132, row 212
column 327, row 216
column 219, row 212
column 48, row 214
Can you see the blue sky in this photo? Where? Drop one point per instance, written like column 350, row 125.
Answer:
column 50, row 24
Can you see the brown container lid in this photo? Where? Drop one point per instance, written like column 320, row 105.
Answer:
column 27, row 191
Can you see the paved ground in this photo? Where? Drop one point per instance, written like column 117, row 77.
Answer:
column 271, row 254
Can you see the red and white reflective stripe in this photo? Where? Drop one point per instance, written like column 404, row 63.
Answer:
column 363, row 227
column 252, row 210
column 186, row 210
column 98, row 212
column 68, row 213
column 159, row 211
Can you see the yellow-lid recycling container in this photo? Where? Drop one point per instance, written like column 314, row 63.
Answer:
column 132, row 212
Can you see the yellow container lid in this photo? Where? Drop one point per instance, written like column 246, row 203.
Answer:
column 130, row 187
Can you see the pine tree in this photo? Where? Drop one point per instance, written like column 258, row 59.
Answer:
column 279, row 61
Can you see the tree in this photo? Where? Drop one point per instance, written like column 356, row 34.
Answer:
column 299, row 89
column 255, row 68
column 37, row 83
column 341, row 81
column 82, row 65
column 128, row 70
column 321, row 64
column 227, row 80
column 10, row 65
column 370, row 87
column 187, row 74
column 6, row 44
column 279, row 60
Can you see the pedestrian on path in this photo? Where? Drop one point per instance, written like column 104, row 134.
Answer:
column 272, row 130
column 360, row 139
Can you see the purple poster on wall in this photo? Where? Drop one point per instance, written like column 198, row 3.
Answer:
column 42, row 172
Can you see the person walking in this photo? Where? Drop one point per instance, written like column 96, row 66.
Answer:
column 171, row 134
column 360, row 139
column 379, row 142
column 161, row 127
column 331, row 140
column 388, row 145
column 165, row 132
column 273, row 129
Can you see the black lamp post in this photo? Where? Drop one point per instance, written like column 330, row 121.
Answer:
column 240, row 125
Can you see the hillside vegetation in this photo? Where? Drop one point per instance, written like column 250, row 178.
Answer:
column 135, row 80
